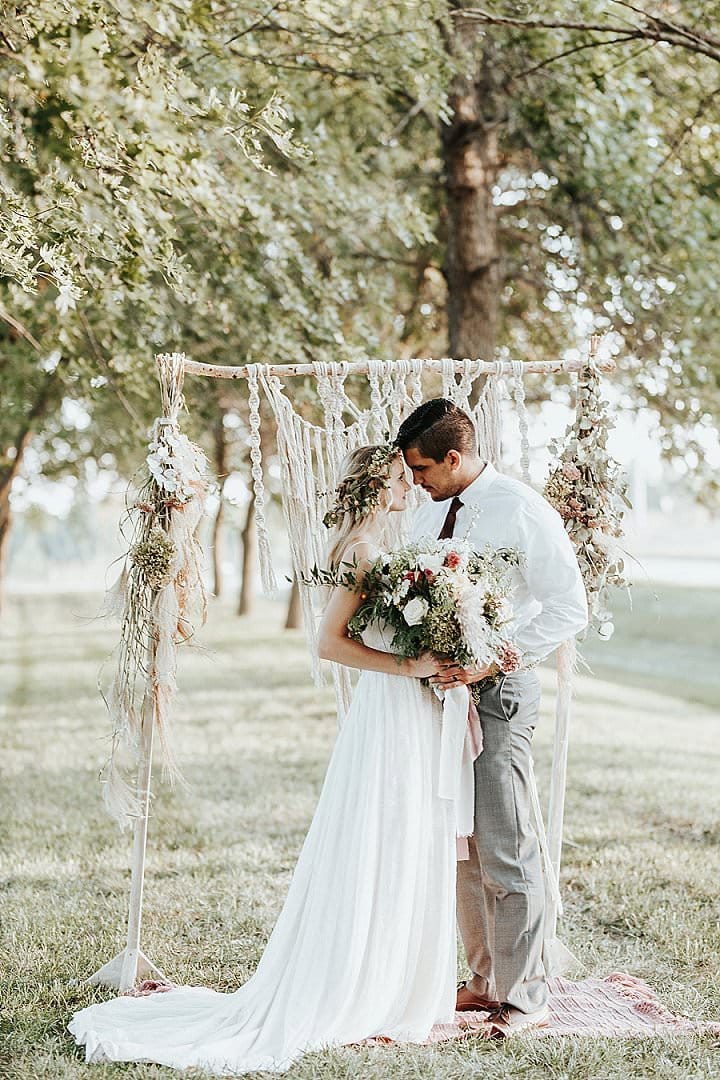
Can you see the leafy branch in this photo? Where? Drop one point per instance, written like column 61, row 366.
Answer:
column 648, row 27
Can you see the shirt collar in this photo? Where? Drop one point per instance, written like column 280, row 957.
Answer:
column 475, row 491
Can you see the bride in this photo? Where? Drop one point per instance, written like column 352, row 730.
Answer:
column 365, row 943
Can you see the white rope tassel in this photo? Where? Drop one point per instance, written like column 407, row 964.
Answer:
column 519, row 396
column 329, row 387
column 557, row 958
column 488, row 421
column 449, row 386
column 565, row 660
column 414, row 391
column 376, row 419
column 465, row 384
column 398, row 397
column 458, row 386
column 267, row 571
column 297, row 439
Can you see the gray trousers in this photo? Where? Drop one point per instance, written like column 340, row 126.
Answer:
column 500, row 896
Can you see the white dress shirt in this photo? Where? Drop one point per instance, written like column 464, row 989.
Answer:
column 549, row 600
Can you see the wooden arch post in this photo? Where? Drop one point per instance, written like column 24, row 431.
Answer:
column 131, row 964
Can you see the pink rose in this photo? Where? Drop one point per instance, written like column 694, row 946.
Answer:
column 428, row 574
column 509, row 658
column 452, row 560
column 574, row 504
column 570, row 471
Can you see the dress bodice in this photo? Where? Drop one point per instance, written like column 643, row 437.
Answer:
column 378, row 636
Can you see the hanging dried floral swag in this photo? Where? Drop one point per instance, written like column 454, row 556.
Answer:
column 158, row 594
column 588, row 488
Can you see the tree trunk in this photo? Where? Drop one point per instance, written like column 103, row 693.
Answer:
column 216, row 542
column 5, row 522
column 49, row 390
column 472, row 163
column 9, row 469
column 294, row 614
column 246, row 602
column 221, row 473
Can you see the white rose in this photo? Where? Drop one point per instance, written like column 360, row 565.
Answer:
column 433, row 563
column 606, row 631
column 415, row 611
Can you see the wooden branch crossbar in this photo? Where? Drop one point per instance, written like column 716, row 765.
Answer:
column 477, row 367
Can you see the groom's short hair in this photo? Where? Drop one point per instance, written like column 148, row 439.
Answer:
column 436, row 427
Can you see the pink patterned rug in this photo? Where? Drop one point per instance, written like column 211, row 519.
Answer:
column 619, row 1005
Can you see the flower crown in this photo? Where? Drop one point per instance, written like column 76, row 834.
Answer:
column 360, row 495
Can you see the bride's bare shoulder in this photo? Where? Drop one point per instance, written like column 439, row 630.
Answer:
column 360, row 553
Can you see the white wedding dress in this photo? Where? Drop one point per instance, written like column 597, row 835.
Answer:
column 365, row 943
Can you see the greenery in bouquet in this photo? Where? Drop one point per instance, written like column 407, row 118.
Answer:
column 589, row 490
column 437, row 596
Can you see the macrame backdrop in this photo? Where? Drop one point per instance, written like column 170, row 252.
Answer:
column 310, row 458
column 311, row 455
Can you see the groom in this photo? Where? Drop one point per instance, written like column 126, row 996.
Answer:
column 501, row 902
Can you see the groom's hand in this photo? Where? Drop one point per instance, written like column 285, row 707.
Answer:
column 451, row 674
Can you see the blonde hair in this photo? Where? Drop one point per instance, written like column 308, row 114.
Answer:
column 355, row 467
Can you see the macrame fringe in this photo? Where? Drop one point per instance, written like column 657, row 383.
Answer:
column 519, row 397
column 267, row 573
column 311, row 456
column 556, row 956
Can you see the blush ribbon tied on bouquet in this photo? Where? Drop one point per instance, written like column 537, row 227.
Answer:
column 461, row 742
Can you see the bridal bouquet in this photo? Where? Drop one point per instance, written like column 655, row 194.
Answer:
column 441, row 596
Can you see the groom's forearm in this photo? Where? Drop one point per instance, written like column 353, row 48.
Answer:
column 556, row 623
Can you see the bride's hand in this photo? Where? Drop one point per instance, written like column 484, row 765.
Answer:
column 424, row 666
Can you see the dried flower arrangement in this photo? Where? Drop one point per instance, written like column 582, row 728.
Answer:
column 158, row 588
column 588, row 488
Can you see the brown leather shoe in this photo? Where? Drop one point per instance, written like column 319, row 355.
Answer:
column 466, row 1001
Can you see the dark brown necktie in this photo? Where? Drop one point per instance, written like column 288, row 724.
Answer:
column 449, row 523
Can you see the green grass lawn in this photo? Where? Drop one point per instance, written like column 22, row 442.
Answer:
column 641, row 861
column 667, row 639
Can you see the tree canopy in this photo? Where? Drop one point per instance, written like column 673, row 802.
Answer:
column 274, row 181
